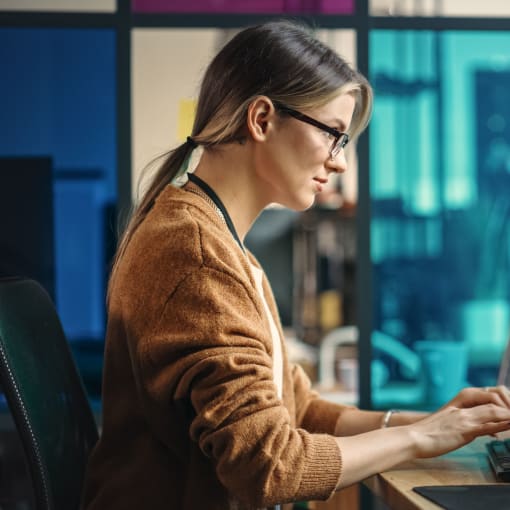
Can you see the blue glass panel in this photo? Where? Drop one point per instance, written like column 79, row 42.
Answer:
column 440, row 230
column 57, row 99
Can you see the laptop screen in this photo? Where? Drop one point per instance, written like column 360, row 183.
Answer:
column 504, row 367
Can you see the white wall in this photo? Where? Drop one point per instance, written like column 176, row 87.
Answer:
column 58, row 5
column 474, row 8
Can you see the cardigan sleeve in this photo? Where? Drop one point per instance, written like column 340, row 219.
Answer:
column 314, row 413
column 210, row 346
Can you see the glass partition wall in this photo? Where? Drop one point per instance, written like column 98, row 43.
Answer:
column 411, row 248
column 440, row 205
column 58, row 104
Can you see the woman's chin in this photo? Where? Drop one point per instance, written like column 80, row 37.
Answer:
column 302, row 204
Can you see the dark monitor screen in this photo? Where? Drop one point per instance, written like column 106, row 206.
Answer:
column 26, row 224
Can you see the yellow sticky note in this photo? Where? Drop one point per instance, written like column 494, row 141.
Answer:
column 186, row 117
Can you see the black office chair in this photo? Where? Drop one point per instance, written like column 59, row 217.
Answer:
column 45, row 394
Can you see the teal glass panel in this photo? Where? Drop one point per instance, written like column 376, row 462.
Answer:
column 440, row 228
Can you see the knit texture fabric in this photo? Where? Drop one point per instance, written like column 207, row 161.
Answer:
column 191, row 416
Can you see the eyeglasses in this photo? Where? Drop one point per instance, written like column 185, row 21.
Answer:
column 340, row 140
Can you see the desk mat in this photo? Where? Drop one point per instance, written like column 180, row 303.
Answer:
column 467, row 497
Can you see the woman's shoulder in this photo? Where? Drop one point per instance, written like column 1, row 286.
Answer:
column 182, row 234
column 181, row 249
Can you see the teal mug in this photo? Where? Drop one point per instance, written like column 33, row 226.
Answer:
column 443, row 369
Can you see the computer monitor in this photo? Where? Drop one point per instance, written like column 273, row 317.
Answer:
column 26, row 227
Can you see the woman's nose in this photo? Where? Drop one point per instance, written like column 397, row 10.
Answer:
column 337, row 163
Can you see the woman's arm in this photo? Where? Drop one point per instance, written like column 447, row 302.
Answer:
column 372, row 452
column 354, row 421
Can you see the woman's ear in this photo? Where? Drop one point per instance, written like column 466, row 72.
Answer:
column 260, row 117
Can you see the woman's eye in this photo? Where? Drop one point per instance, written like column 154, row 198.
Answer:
column 328, row 136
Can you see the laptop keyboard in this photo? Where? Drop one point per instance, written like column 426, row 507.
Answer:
column 499, row 457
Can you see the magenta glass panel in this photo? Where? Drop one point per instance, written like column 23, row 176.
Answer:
column 319, row 6
column 337, row 6
column 246, row 6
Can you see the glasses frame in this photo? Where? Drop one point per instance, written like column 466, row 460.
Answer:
column 341, row 138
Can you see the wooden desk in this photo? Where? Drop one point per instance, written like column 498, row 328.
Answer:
column 468, row 465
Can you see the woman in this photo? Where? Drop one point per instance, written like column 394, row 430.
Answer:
column 202, row 408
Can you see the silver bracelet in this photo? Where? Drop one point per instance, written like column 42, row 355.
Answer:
column 387, row 417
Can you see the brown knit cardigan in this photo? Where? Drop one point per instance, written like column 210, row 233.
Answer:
column 191, row 417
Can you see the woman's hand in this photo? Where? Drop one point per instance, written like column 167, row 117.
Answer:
column 470, row 397
column 452, row 427
column 438, row 433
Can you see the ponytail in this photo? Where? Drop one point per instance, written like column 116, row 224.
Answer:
column 169, row 169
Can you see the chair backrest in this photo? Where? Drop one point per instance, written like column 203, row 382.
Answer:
column 45, row 394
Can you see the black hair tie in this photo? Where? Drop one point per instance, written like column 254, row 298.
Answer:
column 191, row 142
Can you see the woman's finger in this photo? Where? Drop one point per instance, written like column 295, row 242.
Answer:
column 489, row 413
column 473, row 396
column 493, row 428
column 502, row 391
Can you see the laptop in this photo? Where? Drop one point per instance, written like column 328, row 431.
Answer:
column 478, row 497
column 504, row 367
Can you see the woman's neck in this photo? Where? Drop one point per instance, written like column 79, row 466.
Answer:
column 231, row 177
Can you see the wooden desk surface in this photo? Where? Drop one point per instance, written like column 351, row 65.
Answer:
column 468, row 465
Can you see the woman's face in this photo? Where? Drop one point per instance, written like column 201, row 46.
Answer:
column 296, row 162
